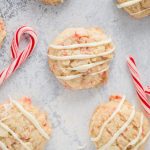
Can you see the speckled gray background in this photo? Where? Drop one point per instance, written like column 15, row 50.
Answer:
column 70, row 111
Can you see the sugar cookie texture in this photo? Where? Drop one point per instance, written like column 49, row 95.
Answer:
column 2, row 32
column 116, row 125
column 23, row 126
column 80, row 57
column 52, row 2
column 136, row 8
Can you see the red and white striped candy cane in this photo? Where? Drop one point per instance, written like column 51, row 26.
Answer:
column 147, row 90
column 19, row 57
column 143, row 92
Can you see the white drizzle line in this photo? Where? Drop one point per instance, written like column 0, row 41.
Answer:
column 109, row 119
column 79, row 75
column 117, row 134
column 70, row 77
column 88, row 66
column 134, row 141
column 31, row 118
column 3, row 146
column 128, row 3
column 82, row 56
column 5, row 118
column 14, row 135
column 94, row 44
column 143, row 141
column 95, row 73
column 139, row 12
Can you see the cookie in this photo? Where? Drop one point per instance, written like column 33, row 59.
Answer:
column 23, row 126
column 117, row 125
column 2, row 32
column 136, row 8
column 52, row 2
column 80, row 57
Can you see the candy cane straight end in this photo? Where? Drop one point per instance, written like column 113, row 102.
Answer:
column 130, row 58
column 142, row 92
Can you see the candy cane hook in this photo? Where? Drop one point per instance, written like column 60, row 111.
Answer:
column 19, row 57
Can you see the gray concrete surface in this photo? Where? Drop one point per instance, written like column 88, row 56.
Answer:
column 70, row 111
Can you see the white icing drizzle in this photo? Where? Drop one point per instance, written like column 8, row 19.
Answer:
column 14, row 135
column 88, row 66
column 109, row 119
column 82, row 56
column 142, row 142
column 3, row 146
column 121, row 130
column 85, row 67
column 70, row 77
column 5, row 118
column 128, row 3
column 139, row 12
column 93, row 44
column 79, row 75
column 30, row 117
column 103, row 70
column 134, row 141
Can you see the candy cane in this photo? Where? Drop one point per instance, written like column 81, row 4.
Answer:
column 143, row 92
column 19, row 57
column 147, row 90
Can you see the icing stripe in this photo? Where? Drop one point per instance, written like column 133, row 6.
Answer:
column 128, row 3
column 139, row 12
column 3, row 146
column 69, row 77
column 133, row 142
column 121, row 130
column 14, row 135
column 3, row 119
column 95, row 73
column 109, row 119
column 79, row 75
column 82, row 56
column 143, row 141
column 94, row 44
column 88, row 66
column 32, row 119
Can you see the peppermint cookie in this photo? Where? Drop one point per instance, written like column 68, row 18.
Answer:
column 117, row 125
column 2, row 31
column 136, row 8
column 80, row 57
column 23, row 126
column 52, row 2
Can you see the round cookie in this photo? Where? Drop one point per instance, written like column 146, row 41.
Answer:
column 52, row 2
column 80, row 57
column 2, row 32
column 116, row 125
column 136, row 8
column 23, row 126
